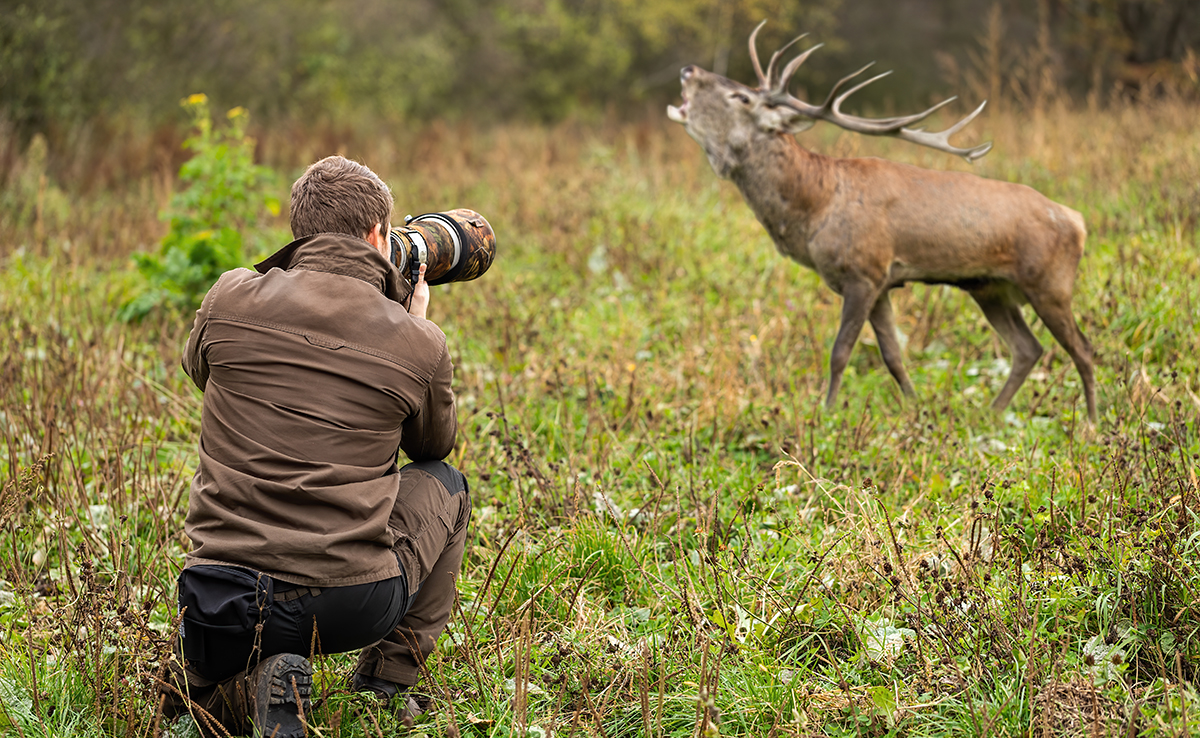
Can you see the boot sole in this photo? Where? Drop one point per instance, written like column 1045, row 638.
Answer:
column 277, row 712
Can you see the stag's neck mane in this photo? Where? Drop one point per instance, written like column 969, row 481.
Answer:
column 786, row 186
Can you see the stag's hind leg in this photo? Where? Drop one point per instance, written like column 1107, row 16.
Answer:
column 1055, row 311
column 1001, row 307
column 884, row 324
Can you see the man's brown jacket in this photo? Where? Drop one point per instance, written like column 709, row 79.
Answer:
column 313, row 374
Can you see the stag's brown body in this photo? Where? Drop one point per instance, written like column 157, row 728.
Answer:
column 868, row 226
column 885, row 224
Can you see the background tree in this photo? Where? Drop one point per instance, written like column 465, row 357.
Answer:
column 63, row 62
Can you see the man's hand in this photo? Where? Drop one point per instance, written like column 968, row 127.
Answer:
column 420, row 296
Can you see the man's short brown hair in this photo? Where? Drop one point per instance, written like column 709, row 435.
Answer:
column 336, row 195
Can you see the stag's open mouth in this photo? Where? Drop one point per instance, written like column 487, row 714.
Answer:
column 678, row 114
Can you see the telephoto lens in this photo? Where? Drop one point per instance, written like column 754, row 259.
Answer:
column 455, row 246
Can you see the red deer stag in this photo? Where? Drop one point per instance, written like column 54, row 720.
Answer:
column 868, row 226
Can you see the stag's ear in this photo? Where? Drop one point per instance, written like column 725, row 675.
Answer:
column 799, row 124
column 781, row 119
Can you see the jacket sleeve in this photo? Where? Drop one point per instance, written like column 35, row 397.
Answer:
column 194, row 361
column 429, row 434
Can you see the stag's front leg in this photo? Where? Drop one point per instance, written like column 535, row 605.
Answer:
column 884, row 324
column 857, row 301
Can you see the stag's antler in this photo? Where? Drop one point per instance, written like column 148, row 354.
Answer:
column 775, row 85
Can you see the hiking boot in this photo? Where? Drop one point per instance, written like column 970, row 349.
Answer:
column 280, row 688
column 392, row 695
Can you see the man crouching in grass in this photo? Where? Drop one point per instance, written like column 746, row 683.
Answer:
column 307, row 538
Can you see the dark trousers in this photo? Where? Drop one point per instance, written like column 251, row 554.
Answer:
column 234, row 618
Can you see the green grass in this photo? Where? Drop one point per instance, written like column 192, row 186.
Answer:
column 671, row 537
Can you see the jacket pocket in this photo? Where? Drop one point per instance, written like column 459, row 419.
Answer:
column 422, row 522
column 421, row 502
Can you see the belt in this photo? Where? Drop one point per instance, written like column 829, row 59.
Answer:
column 294, row 594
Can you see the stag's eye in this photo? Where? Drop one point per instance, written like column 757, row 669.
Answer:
column 743, row 99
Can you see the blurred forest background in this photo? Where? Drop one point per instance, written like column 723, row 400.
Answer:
column 110, row 64
column 90, row 90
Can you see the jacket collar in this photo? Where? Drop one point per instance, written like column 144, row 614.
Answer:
column 338, row 253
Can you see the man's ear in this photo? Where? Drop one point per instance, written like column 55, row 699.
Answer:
column 378, row 239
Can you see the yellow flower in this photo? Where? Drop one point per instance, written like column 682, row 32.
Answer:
column 198, row 99
column 237, row 112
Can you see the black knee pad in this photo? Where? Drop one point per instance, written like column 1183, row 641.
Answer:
column 452, row 479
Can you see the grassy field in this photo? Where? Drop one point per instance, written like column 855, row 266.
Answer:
column 671, row 537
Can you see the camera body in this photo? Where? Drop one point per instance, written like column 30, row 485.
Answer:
column 455, row 246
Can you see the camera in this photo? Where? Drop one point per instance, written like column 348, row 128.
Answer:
column 455, row 246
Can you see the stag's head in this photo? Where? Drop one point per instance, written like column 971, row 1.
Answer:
column 720, row 114
column 725, row 116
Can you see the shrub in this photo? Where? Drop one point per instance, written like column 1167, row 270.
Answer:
column 224, row 195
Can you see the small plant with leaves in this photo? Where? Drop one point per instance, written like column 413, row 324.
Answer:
column 224, row 196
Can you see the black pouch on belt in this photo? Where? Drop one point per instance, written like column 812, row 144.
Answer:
column 222, row 607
